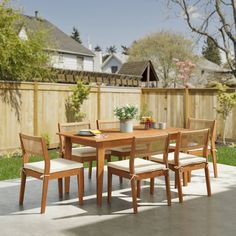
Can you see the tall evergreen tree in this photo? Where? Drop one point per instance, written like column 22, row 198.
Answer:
column 211, row 52
column 76, row 35
column 97, row 49
column 111, row 49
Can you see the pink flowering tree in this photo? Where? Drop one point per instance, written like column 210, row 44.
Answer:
column 184, row 70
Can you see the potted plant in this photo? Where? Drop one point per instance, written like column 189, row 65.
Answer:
column 126, row 115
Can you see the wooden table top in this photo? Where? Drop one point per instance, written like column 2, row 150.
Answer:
column 115, row 134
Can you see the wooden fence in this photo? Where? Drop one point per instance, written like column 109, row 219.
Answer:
column 36, row 108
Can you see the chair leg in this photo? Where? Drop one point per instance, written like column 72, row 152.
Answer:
column 109, row 186
column 168, row 193
column 189, row 176
column 44, row 194
column 121, row 179
column 185, row 178
column 179, row 185
column 208, row 184
column 152, row 186
column 214, row 161
column 90, row 169
column 60, row 188
column 109, row 158
column 138, row 188
column 22, row 187
column 134, row 195
column 80, row 182
column 67, row 184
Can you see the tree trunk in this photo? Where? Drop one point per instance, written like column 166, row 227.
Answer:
column 224, row 130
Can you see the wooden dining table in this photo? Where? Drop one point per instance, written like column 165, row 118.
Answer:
column 105, row 141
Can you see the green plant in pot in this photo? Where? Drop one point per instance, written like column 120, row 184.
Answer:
column 126, row 114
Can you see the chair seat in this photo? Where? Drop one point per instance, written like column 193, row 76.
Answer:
column 184, row 159
column 173, row 145
column 56, row 165
column 85, row 151
column 140, row 166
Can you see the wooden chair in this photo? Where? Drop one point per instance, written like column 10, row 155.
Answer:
column 136, row 169
column 120, row 152
column 180, row 161
column 81, row 154
column 195, row 124
column 47, row 169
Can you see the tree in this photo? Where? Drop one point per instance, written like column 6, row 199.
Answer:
column 214, row 19
column 125, row 50
column 98, row 48
column 20, row 59
column 75, row 101
column 162, row 48
column 211, row 52
column 226, row 103
column 112, row 49
column 76, row 35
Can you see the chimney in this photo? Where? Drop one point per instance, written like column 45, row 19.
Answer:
column 36, row 14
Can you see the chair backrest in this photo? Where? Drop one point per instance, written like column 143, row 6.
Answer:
column 108, row 124
column 34, row 146
column 191, row 140
column 148, row 146
column 194, row 123
column 73, row 128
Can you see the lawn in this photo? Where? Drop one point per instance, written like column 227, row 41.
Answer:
column 10, row 166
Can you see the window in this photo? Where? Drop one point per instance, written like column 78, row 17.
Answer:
column 80, row 63
column 114, row 69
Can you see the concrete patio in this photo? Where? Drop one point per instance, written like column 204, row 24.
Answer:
column 198, row 215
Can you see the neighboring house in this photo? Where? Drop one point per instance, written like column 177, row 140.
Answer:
column 141, row 68
column 207, row 72
column 66, row 53
column 109, row 63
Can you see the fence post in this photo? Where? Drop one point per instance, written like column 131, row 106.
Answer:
column 35, row 108
column 99, row 102
column 186, row 106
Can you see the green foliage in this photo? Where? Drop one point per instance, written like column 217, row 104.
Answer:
column 98, row 48
column 162, row 48
column 75, row 101
column 126, row 112
column 20, row 59
column 76, row 35
column 125, row 50
column 226, row 102
column 111, row 49
column 47, row 138
column 211, row 52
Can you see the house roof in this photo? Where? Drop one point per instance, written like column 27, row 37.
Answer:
column 61, row 42
column 207, row 65
column 138, row 68
column 109, row 58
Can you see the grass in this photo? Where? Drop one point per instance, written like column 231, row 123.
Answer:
column 10, row 166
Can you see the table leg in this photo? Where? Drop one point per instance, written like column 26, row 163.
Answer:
column 68, row 147
column 100, row 170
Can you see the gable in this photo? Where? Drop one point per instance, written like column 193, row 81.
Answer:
column 22, row 34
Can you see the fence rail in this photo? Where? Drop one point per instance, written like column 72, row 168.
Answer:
column 36, row 108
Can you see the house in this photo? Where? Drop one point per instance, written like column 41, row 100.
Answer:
column 141, row 68
column 65, row 52
column 109, row 63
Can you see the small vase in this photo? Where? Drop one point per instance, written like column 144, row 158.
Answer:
column 126, row 126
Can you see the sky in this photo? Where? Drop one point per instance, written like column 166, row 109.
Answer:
column 106, row 22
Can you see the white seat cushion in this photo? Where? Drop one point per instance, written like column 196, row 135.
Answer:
column 85, row 151
column 56, row 165
column 184, row 159
column 140, row 165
